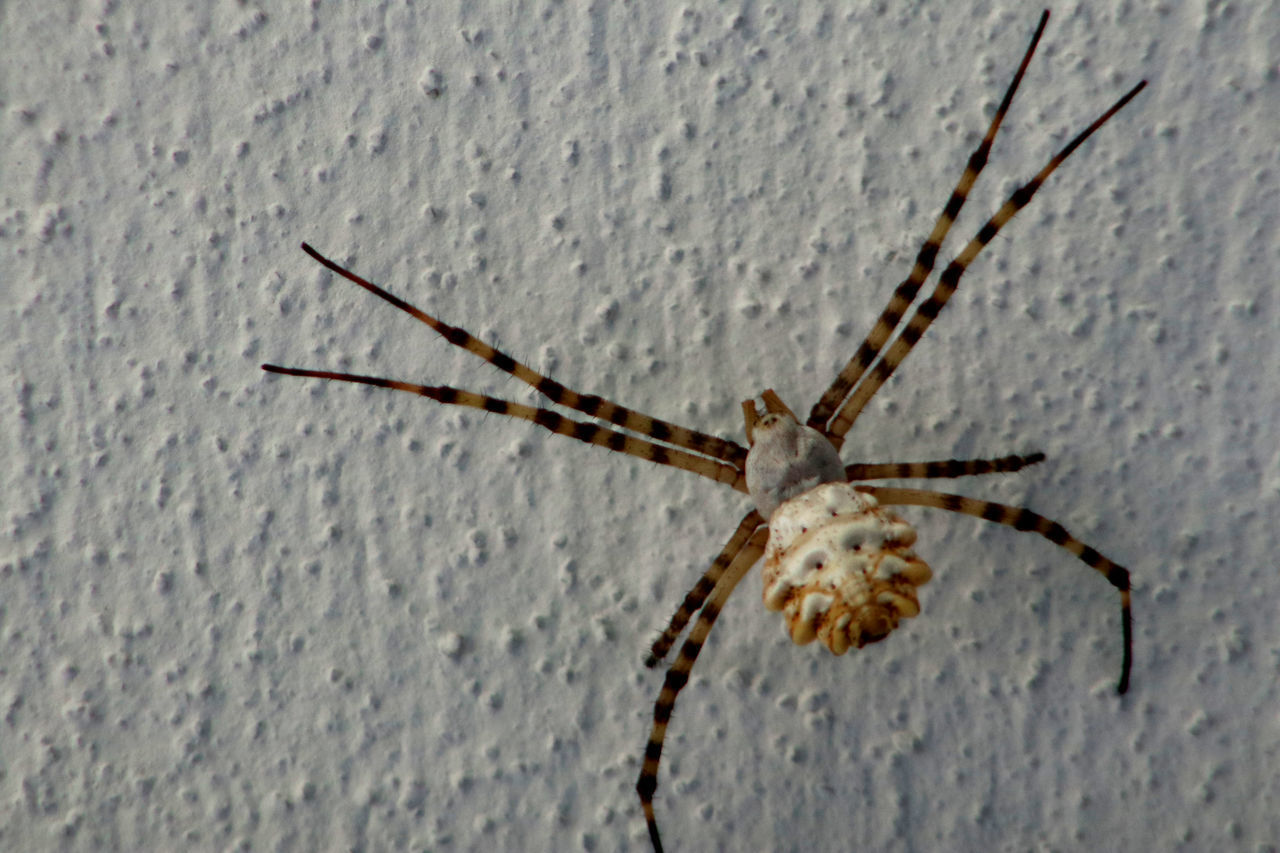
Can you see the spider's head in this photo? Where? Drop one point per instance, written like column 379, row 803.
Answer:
column 786, row 458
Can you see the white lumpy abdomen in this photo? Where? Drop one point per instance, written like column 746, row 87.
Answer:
column 840, row 568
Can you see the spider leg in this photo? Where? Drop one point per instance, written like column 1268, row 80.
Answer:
column 1025, row 519
column 696, row 596
column 906, row 292
column 547, row 419
column 678, row 674
column 950, row 279
column 588, row 404
column 940, row 468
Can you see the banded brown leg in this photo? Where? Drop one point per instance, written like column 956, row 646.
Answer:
column 545, row 418
column 696, row 596
column 678, row 674
column 942, row 468
column 1026, row 520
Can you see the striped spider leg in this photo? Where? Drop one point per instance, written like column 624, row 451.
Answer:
column 792, row 471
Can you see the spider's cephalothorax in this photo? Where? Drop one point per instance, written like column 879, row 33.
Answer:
column 786, row 458
column 837, row 563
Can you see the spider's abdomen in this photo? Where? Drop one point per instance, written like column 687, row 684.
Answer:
column 840, row 568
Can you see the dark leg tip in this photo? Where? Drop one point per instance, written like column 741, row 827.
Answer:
column 653, row 837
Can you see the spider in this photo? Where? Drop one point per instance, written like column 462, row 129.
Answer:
column 837, row 562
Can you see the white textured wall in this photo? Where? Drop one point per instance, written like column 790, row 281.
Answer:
column 239, row 612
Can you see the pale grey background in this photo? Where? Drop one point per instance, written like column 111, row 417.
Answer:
column 240, row 612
